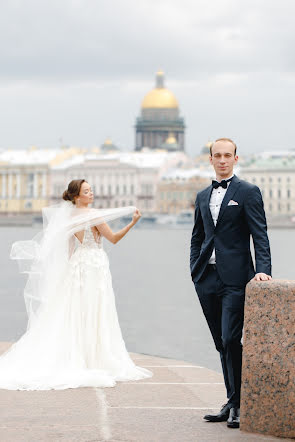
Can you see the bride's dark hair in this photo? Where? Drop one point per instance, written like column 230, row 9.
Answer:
column 73, row 190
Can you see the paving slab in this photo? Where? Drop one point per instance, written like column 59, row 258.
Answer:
column 163, row 395
column 169, row 407
column 173, row 426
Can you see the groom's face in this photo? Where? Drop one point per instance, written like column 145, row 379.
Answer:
column 223, row 158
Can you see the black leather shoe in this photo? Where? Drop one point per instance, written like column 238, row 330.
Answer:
column 221, row 416
column 234, row 418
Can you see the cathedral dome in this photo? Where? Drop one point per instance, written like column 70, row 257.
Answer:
column 171, row 139
column 159, row 97
column 171, row 143
column 108, row 146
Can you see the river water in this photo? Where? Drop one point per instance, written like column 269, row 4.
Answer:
column 157, row 305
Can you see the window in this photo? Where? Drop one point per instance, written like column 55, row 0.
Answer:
column 279, row 193
column 30, row 185
column 109, row 189
column 270, row 193
column 270, row 207
column 132, row 189
column 288, row 193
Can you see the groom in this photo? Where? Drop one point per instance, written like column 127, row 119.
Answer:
column 226, row 214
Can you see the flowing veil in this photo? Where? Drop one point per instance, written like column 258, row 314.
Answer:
column 46, row 256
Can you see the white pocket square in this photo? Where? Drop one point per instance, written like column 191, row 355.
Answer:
column 233, row 203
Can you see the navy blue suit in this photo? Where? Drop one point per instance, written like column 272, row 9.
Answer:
column 221, row 288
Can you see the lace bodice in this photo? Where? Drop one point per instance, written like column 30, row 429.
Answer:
column 90, row 239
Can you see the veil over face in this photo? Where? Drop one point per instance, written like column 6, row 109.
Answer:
column 46, row 256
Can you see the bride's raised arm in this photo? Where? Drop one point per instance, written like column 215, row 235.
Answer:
column 105, row 230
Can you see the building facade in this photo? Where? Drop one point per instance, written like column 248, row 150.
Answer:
column 118, row 179
column 25, row 178
column 274, row 174
column 24, row 181
column 177, row 189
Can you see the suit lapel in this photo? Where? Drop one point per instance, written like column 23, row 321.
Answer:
column 207, row 205
column 232, row 188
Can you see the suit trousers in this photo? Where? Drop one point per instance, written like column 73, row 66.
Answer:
column 223, row 307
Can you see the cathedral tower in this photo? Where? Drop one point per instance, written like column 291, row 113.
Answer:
column 159, row 119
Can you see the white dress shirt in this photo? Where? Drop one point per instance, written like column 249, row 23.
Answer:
column 216, row 199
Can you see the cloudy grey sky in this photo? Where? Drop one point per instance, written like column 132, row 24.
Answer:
column 79, row 69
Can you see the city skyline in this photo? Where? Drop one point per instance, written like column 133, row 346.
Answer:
column 76, row 73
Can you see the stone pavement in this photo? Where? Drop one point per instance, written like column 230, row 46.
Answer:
column 165, row 408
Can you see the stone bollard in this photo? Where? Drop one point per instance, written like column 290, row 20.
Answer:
column 268, row 372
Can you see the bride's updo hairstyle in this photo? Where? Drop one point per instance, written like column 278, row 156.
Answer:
column 73, row 190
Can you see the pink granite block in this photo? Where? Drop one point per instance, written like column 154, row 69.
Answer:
column 268, row 373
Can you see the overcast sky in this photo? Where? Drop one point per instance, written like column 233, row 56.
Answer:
column 77, row 70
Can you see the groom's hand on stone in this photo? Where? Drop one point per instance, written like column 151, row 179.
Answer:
column 261, row 277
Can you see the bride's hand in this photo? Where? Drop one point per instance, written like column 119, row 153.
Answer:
column 136, row 216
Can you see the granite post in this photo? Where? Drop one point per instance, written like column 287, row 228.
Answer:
column 268, row 372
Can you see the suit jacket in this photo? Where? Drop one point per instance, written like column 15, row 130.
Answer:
column 231, row 235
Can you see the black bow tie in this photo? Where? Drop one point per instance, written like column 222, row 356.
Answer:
column 223, row 183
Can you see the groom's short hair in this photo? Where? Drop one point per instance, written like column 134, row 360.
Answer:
column 223, row 139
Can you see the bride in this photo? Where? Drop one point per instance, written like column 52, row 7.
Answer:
column 73, row 337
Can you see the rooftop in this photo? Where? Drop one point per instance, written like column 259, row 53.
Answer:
column 187, row 174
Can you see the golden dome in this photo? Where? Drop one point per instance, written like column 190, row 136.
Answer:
column 159, row 97
column 171, row 139
column 108, row 142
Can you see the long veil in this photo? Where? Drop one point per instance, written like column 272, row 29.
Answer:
column 46, row 256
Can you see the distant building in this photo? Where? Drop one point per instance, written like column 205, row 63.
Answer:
column 206, row 148
column 178, row 188
column 274, row 174
column 24, row 180
column 118, row 179
column 34, row 178
column 108, row 146
column 160, row 120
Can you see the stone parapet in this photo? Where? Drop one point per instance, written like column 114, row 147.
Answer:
column 268, row 373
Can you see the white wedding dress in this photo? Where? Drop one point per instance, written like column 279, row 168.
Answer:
column 76, row 339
